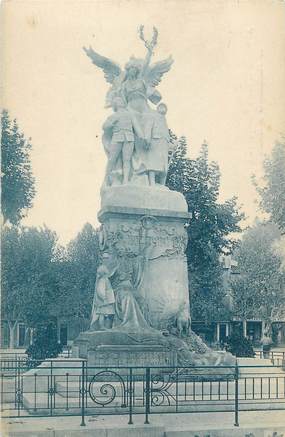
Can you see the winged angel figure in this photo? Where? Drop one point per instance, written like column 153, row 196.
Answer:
column 128, row 132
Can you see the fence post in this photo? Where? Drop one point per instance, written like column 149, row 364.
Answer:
column 131, row 397
column 2, row 392
column 18, row 386
column 51, row 388
column 147, row 394
column 236, row 394
column 35, row 392
column 83, row 394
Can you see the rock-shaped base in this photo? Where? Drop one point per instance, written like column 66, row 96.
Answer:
column 120, row 349
column 158, row 197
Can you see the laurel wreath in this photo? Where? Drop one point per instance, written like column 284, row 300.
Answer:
column 149, row 44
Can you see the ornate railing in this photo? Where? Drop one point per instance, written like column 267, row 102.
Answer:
column 71, row 387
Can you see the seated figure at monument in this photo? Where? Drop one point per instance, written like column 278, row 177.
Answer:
column 129, row 316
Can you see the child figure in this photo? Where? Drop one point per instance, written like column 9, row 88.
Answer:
column 121, row 127
column 157, row 139
column 104, row 299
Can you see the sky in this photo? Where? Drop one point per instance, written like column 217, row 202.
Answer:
column 226, row 86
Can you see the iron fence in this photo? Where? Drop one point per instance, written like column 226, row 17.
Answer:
column 72, row 387
column 276, row 356
column 10, row 362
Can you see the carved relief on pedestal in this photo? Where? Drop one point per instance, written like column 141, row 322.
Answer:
column 150, row 254
column 145, row 234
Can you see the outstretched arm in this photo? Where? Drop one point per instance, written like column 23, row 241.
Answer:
column 146, row 62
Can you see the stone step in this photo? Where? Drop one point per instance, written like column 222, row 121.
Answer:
column 266, row 371
column 223, row 431
column 244, row 361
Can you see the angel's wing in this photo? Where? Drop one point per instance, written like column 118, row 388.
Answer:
column 110, row 68
column 155, row 72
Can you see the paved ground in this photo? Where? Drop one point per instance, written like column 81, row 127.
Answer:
column 174, row 424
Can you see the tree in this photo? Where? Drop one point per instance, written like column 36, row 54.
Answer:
column 209, row 230
column 29, row 283
column 18, row 185
column 279, row 249
column 273, row 190
column 42, row 282
column 259, row 289
column 82, row 263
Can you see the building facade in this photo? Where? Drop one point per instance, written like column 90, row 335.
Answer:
column 216, row 331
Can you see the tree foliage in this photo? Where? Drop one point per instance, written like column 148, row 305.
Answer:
column 279, row 249
column 42, row 282
column 18, row 185
column 82, row 262
column 209, row 230
column 29, row 285
column 273, row 190
column 259, row 289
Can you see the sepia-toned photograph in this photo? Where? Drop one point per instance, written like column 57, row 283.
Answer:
column 142, row 218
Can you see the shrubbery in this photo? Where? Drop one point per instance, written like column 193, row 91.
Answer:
column 45, row 343
column 239, row 346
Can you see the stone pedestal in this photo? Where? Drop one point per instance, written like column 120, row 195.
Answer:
column 157, row 197
column 150, row 244
column 142, row 244
column 131, row 356
column 120, row 349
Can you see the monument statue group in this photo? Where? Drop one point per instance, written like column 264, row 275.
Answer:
column 136, row 136
column 141, row 310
